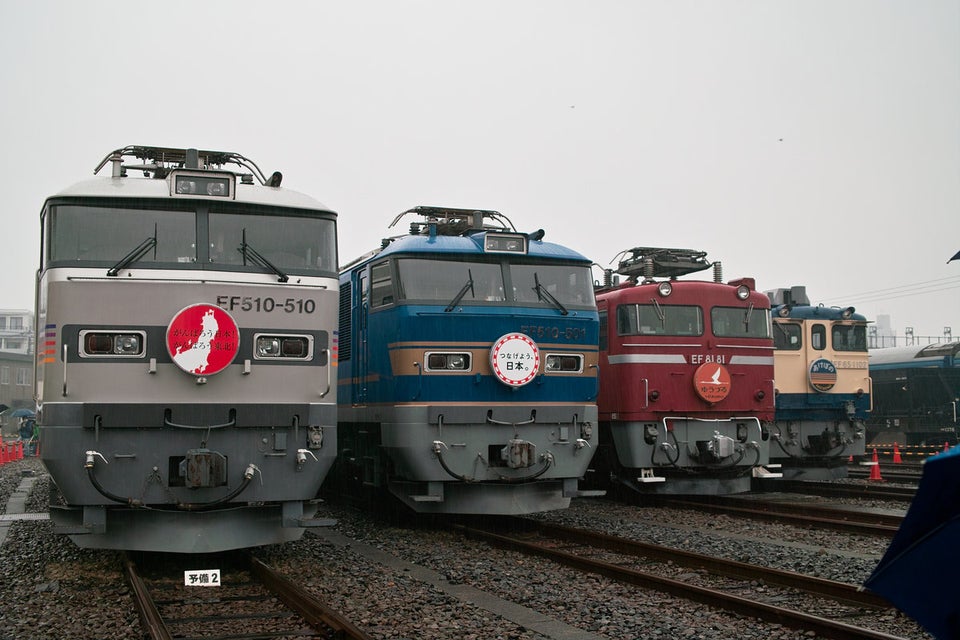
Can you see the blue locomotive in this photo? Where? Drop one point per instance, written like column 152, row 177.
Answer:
column 467, row 367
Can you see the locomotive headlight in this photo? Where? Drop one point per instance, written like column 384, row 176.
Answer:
column 563, row 362
column 664, row 289
column 847, row 313
column 743, row 292
column 190, row 183
column 784, row 311
column 502, row 243
column 216, row 189
column 126, row 344
column 186, row 187
column 448, row 362
column 100, row 344
column 268, row 347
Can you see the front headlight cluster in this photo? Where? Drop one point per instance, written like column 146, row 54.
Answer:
column 112, row 343
column 201, row 184
column 555, row 362
column 448, row 362
column 279, row 346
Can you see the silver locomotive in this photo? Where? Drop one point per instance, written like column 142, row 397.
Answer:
column 186, row 339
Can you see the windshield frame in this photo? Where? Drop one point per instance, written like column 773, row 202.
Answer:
column 199, row 257
column 500, row 290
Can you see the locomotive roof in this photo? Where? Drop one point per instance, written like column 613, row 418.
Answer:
column 448, row 231
column 818, row 312
column 473, row 244
column 148, row 179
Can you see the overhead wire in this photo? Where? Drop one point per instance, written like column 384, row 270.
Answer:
column 901, row 291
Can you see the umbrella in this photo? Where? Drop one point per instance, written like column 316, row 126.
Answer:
column 918, row 572
column 22, row 413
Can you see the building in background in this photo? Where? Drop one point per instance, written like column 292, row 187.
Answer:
column 16, row 331
column 17, row 355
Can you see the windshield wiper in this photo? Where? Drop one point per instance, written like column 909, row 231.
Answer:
column 543, row 293
column 257, row 258
column 138, row 252
column 746, row 318
column 660, row 314
column 468, row 286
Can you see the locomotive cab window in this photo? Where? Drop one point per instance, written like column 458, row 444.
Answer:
column 567, row 284
column 740, row 322
column 818, row 337
column 450, row 281
column 659, row 320
column 120, row 234
column 787, row 336
column 382, row 291
column 847, row 337
column 90, row 235
column 290, row 243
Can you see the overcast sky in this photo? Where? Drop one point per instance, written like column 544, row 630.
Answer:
column 805, row 142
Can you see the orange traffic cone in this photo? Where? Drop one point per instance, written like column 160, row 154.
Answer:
column 851, row 459
column 876, row 460
column 896, row 454
column 945, row 446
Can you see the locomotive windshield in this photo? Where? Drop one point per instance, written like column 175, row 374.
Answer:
column 188, row 236
column 787, row 336
column 847, row 337
column 738, row 322
column 444, row 281
column 659, row 320
column 82, row 234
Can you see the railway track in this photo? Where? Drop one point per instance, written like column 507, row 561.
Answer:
column 261, row 603
column 791, row 512
column 888, row 472
column 839, row 490
column 730, row 585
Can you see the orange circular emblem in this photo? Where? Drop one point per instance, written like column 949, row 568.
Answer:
column 712, row 382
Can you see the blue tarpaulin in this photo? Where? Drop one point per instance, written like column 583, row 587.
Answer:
column 918, row 572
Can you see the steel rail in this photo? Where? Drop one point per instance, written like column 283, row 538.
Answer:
column 799, row 514
column 834, row 489
column 832, row 629
column 840, row 591
column 150, row 616
column 315, row 612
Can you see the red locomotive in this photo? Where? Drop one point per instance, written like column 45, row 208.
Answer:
column 686, row 376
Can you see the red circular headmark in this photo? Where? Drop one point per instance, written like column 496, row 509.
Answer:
column 712, row 381
column 203, row 339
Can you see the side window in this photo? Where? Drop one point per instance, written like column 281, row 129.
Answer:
column 818, row 337
column 627, row 320
column 382, row 285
